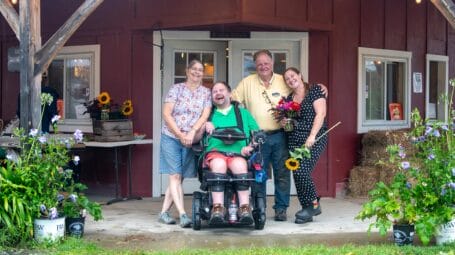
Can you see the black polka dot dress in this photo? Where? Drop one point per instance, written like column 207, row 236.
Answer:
column 306, row 190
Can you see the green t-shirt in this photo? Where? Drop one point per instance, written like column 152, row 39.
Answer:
column 220, row 120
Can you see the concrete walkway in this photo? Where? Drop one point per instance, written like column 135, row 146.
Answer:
column 134, row 224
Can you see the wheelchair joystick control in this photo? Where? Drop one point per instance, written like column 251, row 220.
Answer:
column 233, row 211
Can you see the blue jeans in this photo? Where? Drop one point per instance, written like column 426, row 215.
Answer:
column 275, row 151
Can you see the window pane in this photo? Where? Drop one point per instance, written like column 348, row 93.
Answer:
column 279, row 62
column 194, row 55
column 374, row 90
column 180, row 63
column 395, row 87
column 208, row 61
column 55, row 76
column 436, row 89
column 249, row 66
column 77, row 80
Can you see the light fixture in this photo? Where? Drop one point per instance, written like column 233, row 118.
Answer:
column 14, row 1
column 418, row 1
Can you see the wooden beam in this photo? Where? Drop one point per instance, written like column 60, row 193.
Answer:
column 11, row 16
column 447, row 8
column 57, row 41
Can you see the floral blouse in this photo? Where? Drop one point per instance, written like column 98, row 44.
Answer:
column 188, row 106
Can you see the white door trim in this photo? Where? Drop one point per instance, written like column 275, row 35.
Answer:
column 301, row 37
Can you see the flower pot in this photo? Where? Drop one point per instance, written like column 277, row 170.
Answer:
column 446, row 233
column 49, row 229
column 75, row 226
column 403, row 234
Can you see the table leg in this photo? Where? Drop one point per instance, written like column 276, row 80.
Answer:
column 128, row 197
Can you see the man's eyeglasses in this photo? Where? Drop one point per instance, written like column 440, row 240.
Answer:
column 266, row 97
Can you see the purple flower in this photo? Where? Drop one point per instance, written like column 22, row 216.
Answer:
column 42, row 209
column 42, row 139
column 405, row 165
column 436, row 133
column 401, row 154
column 443, row 191
column 453, row 171
column 445, row 127
column 451, row 185
column 78, row 136
column 72, row 198
column 408, row 185
column 431, row 156
column 60, row 198
column 53, row 213
column 428, row 130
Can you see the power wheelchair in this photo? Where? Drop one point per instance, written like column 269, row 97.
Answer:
column 202, row 200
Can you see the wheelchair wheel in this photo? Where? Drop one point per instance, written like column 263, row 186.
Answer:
column 259, row 212
column 196, row 210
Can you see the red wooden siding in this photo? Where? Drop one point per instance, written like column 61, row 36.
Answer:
column 344, row 140
column 336, row 29
column 395, row 25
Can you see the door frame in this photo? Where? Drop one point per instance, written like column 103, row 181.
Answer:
column 159, row 36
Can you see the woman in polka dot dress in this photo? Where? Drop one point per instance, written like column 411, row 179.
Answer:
column 308, row 126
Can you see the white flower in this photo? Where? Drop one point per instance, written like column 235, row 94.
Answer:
column 33, row 132
column 55, row 118
column 42, row 139
column 76, row 159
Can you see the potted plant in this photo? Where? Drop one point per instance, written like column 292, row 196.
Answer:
column 74, row 205
column 423, row 190
column 29, row 183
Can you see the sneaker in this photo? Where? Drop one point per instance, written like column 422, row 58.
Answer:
column 185, row 221
column 217, row 216
column 245, row 215
column 280, row 215
column 166, row 218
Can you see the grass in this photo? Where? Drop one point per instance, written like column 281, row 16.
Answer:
column 78, row 246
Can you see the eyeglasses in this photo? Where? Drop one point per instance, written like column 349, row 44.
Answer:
column 266, row 97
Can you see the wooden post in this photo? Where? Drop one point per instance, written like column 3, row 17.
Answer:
column 33, row 59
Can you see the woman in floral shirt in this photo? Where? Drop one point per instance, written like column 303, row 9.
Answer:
column 186, row 109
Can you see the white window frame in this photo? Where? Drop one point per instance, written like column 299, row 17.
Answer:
column 439, row 58
column 405, row 57
column 85, row 125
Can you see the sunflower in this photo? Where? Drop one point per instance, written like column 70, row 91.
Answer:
column 127, row 110
column 292, row 164
column 104, row 98
column 128, row 103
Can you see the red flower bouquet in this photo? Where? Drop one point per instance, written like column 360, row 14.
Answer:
column 286, row 109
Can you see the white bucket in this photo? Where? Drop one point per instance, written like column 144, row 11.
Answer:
column 46, row 229
column 446, row 233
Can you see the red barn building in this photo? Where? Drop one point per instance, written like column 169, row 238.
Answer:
column 371, row 55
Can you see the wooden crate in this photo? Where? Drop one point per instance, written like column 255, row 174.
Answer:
column 112, row 130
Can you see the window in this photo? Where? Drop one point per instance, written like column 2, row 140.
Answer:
column 74, row 73
column 183, row 58
column 383, row 89
column 249, row 67
column 436, row 87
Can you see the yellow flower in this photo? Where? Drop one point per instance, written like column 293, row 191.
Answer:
column 127, row 110
column 292, row 164
column 127, row 103
column 104, row 98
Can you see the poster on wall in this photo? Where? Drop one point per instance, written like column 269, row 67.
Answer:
column 417, row 82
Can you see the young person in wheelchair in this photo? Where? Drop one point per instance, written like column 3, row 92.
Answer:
column 227, row 147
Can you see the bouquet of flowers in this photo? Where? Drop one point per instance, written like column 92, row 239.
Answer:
column 103, row 108
column 286, row 109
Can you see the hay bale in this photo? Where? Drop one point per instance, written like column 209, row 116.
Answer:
column 362, row 179
column 374, row 145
